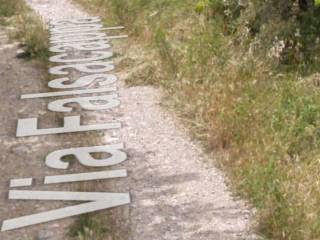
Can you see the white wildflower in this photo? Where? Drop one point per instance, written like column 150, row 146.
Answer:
column 277, row 49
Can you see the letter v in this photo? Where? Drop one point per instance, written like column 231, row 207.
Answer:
column 98, row 201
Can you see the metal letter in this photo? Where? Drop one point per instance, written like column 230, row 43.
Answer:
column 88, row 20
column 65, row 93
column 103, row 79
column 90, row 39
column 98, row 201
column 21, row 182
column 85, row 28
column 87, row 103
column 83, row 154
column 78, row 37
column 71, row 27
column 94, row 67
column 29, row 127
column 61, row 57
column 85, row 46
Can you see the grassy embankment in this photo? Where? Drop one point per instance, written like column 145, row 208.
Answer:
column 244, row 78
column 28, row 28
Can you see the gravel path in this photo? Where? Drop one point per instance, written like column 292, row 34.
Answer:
column 23, row 157
column 175, row 195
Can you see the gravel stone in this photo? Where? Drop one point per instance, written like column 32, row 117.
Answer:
column 45, row 235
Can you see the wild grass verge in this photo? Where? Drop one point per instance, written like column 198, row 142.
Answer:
column 88, row 227
column 29, row 28
column 244, row 78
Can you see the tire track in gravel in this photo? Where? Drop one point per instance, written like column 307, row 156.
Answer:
column 175, row 195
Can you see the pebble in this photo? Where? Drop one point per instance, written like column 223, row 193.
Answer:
column 45, row 235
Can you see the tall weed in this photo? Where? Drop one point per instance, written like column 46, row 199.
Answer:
column 29, row 27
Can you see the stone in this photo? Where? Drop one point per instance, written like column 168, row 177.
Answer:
column 22, row 53
column 45, row 235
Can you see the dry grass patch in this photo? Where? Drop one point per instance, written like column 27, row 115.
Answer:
column 239, row 77
column 29, row 29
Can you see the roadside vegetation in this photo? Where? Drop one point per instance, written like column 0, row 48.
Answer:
column 88, row 227
column 28, row 28
column 244, row 76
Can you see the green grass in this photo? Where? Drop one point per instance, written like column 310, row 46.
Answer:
column 29, row 27
column 8, row 8
column 32, row 32
column 227, row 77
column 86, row 227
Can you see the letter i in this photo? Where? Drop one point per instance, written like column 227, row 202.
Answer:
column 21, row 182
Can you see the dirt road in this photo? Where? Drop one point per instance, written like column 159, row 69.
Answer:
column 175, row 194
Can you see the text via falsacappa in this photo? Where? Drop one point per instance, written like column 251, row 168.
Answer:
column 82, row 34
